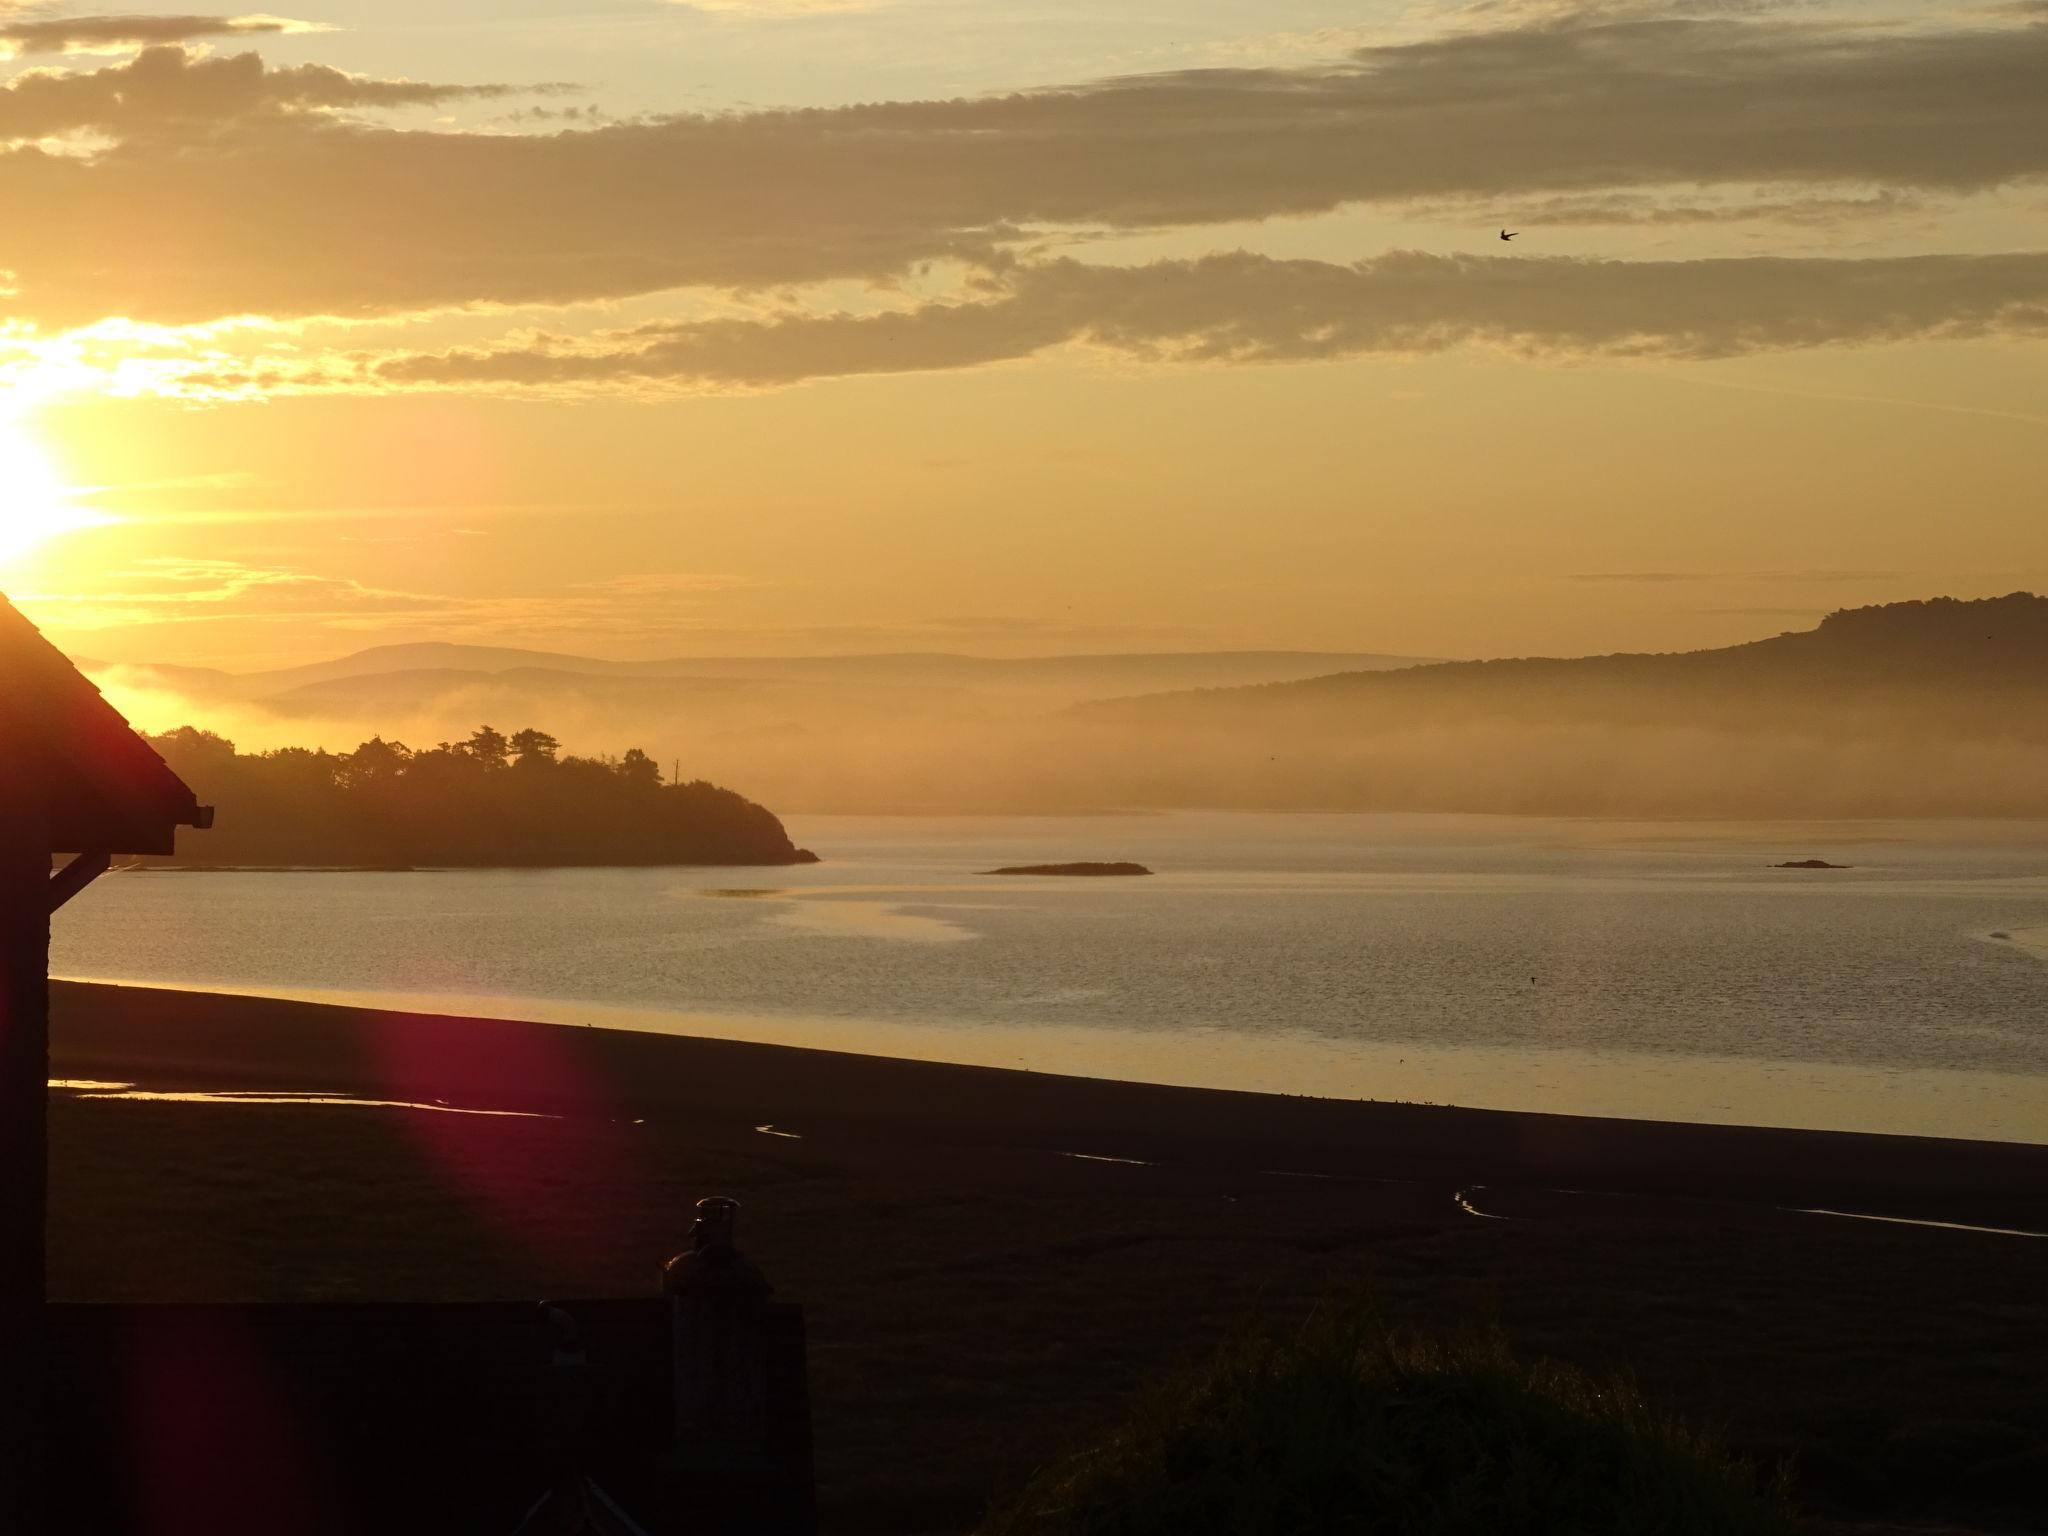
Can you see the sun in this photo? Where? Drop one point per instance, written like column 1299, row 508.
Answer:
column 34, row 504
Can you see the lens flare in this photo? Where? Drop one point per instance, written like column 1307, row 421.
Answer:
column 34, row 504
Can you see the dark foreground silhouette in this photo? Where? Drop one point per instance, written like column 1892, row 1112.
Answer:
column 489, row 801
column 1071, row 869
column 978, row 1304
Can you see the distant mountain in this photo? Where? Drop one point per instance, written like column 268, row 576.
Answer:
column 1920, row 708
column 377, row 661
column 545, row 694
column 1945, row 642
column 429, row 656
column 1089, row 675
column 191, row 682
column 1077, row 676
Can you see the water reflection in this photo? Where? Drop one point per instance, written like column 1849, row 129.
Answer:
column 1357, row 957
column 1914, row 1221
column 83, row 1088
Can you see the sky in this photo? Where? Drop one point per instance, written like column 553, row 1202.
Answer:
column 645, row 329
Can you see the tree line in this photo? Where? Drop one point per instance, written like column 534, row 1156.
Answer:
column 493, row 800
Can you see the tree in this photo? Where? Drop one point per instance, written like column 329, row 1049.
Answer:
column 636, row 767
column 376, row 761
column 302, row 769
column 193, row 751
column 488, row 747
column 534, row 748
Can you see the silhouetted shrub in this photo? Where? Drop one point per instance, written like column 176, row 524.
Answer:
column 1349, row 1428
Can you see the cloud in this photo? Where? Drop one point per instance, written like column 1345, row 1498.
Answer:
column 1469, row 15
column 780, row 9
column 171, row 589
column 166, row 93
column 187, row 592
column 1252, row 309
column 351, row 219
column 1657, row 577
column 108, row 34
column 655, row 584
column 1648, row 209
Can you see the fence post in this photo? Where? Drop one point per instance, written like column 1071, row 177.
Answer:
column 742, row 1454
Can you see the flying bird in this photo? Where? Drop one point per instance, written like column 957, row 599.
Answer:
column 1508, row 234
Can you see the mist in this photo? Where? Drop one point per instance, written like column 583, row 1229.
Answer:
column 1551, row 748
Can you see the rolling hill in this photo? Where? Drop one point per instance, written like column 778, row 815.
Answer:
column 1923, row 708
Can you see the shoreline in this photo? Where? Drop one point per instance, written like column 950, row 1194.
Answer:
column 173, row 1039
column 177, row 867
column 1693, row 1089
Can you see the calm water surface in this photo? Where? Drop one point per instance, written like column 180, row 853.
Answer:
column 1601, row 968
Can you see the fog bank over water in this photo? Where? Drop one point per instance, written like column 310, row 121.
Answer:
column 1914, row 709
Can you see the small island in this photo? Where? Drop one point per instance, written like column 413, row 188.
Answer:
column 1070, row 869
column 1811, row 864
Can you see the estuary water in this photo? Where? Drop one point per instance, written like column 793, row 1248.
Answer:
column 1592, row 967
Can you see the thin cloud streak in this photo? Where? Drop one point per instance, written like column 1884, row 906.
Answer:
column 168, row 93
column 1901, row 402
column 1662, row 577
column 1641, row 209
column 110, row 34
column 201, row 591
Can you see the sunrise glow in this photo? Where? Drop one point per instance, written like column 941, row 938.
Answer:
column 35, row 504
column 1357, row 683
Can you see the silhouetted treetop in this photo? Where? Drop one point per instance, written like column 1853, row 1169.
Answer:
column 487, row 747
column 534, row 749
column 487, row 801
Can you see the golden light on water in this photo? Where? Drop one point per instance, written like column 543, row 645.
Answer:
column 35, row 505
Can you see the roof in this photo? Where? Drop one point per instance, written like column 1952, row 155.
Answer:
column 104, row 787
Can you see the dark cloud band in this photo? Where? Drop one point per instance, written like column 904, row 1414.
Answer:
column 351, row 219
column 1249, row 309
